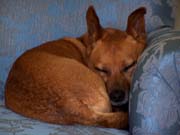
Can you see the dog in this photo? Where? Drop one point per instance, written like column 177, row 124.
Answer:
column 79, row 80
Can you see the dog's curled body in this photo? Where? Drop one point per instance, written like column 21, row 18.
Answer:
column 58, row 93
column 77, row 80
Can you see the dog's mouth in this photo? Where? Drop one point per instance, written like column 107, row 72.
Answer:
column 119, row 104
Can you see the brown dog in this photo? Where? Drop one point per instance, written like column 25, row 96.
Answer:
column 68, row 81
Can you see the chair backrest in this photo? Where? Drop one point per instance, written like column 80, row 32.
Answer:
column 155, row 94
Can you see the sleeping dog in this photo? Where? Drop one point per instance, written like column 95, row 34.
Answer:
column 78, row 80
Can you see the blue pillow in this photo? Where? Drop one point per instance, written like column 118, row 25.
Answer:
column 155, row 94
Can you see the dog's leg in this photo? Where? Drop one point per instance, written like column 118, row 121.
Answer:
column 96, row 118
column 113, row 120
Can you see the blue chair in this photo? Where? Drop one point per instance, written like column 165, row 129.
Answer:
column 155, row 93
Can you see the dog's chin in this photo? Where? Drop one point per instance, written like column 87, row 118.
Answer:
column 123, row 107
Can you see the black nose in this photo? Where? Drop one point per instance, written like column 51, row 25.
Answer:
column 117, row 96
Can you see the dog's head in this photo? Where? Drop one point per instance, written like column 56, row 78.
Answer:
column 113, row 53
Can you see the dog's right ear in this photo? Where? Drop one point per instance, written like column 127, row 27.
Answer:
column 136, row 24
column 93, row 25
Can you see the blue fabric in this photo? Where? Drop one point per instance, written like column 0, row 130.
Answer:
column 155, row 94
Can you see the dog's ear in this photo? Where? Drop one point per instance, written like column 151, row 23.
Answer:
column 136, row 24
column 93, row 25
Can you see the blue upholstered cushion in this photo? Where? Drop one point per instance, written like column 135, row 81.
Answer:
column 155, row 94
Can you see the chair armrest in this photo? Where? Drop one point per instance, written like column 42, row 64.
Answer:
column 154, row 107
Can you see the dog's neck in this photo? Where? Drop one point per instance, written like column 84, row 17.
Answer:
column 81, row 44
column 77, row 44
column 88, row 44
column 84, row 39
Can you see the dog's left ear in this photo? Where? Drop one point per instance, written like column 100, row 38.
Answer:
column 136, row 24
column 93, row 25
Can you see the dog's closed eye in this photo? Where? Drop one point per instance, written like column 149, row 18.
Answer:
column 102, row 70
column 129, row 66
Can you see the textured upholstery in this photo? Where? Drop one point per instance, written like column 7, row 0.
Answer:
column 14, row 124
column 155, row 94
column 27, row 23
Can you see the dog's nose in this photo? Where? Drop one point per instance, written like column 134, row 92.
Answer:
column 117, row 96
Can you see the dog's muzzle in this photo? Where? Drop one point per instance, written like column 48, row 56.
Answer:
column 118, row 97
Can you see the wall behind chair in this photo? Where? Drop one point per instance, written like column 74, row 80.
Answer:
column 27, row 23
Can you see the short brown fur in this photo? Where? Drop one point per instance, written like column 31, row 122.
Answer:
column 64, row 82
